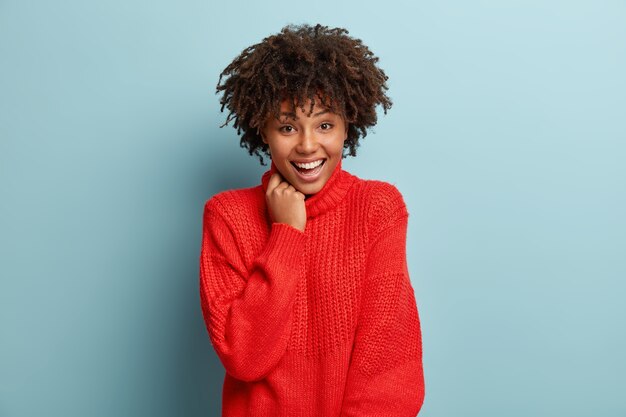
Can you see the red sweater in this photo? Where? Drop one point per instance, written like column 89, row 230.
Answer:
column 317, row 323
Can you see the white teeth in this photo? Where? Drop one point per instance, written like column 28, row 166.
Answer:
column 309, row 165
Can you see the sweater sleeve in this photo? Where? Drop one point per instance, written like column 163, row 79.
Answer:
column 385, row 377
column 248, row 313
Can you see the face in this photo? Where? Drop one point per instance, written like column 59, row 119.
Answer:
column 298, row 138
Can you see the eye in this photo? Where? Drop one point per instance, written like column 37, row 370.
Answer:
column 282, row 129
column 328, row 126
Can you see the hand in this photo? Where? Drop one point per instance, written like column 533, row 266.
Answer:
column 285, row 203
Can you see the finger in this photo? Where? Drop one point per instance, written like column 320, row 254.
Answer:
column 275, row 179
column 282, row 186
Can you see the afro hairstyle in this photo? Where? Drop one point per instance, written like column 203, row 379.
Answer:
column 301, row 63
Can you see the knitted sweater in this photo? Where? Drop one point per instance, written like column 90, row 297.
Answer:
column 317, row 323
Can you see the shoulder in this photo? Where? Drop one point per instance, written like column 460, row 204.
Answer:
column 383, row 194
column 376, row 192
column 385, row 205
column 234, row 204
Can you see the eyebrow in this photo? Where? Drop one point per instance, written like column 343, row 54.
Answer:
column 293, row 115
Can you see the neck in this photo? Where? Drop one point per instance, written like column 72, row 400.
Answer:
column 333, row 191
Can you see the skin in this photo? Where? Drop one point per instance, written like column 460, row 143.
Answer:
column 320, row 135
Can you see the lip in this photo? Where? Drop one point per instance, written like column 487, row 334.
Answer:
column 305, row 161
column 309, row 178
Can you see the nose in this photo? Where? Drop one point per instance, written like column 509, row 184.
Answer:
column 308, row 142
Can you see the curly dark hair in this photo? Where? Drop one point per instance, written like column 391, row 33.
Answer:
column 299, row 63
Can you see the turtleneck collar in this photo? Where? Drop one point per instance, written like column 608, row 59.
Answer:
column 328, row 197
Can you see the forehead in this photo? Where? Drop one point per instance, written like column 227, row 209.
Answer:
column 289, row 108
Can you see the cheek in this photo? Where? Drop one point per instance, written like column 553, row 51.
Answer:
column 337, row 144
column 279, row 151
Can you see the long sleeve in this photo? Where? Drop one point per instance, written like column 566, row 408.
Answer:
column 248, row 313
column 385, row 376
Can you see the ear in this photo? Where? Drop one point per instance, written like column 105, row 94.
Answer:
column 261, row 130
column 262, row 134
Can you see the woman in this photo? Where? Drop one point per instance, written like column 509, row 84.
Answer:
column 304, row 283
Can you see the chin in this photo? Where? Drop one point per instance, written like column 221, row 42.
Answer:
column 309, row 191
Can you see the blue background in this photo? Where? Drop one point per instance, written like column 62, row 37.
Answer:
column 507, row 139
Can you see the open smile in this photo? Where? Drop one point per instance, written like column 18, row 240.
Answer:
column 309, row 172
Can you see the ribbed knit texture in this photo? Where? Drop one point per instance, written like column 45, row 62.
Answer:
column 318, row 323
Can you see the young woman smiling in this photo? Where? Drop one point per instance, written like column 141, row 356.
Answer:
column 304, row 284
column 298, row 143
